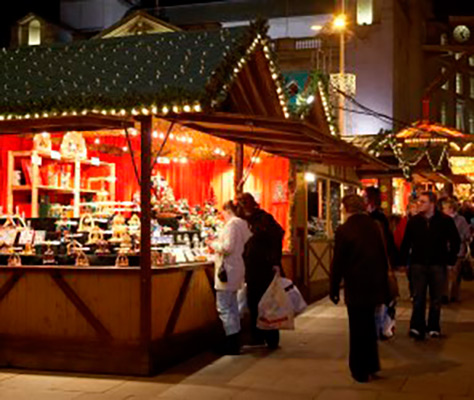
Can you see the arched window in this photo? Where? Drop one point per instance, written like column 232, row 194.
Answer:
column 34, row 33
column 365, row 12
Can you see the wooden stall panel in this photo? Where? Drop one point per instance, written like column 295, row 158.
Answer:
column 114, row 299
column 36, row 307
column 199, row 308
column 165, row 291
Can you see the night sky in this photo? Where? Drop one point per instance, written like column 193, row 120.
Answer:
column 49, row 9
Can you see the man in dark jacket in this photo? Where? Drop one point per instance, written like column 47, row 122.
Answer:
column 262, row 255
column 432, row 243
column 360, row 260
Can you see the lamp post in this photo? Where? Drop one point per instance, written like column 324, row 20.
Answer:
column 339, row 24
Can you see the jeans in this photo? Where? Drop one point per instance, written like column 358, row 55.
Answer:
column 363, row 349
column 228, row 310
column 424, row 277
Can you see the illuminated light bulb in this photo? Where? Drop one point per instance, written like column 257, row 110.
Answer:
column 171, row 136
column 274, row 75
column 175, row 159
column 37, row 115
column 64, row 113
column 190, row 139
column 2, row 118
column 154, row 110
column 155, row 134
column 27, row 116
column 45, row 115
column 183, row 160
column 134, row 112
column 134, row 132
column 124, row 148
column 97, row 141
column 84, row 112
column 175, row 109
column 104, row 112
column 287, row 115
column 113, row 112
column 9, row 116
column 45, row 134
column 145, row 111
column 187, row 108
column 197, row 108
column 340, row 22
column 165, row 110
column 162, row 135
column 74, row 113
column 310, row 99
column 316, row 27
column 123, row 112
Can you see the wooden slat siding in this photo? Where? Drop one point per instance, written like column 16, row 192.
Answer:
column 9, row 284
column 259, row 93
column 239, row 99
column 178, row 304
column 247, row 82
column 197, row 314
column 100, row 329
column 145, row 232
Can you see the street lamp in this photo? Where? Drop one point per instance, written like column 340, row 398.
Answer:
column 340, row 24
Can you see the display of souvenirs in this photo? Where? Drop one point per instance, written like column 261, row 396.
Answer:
column 81, row 259
column 134, row 224
column 14, row 260
column 74, row 146
column 86, row 223
column 126, row 244
column 42, row 142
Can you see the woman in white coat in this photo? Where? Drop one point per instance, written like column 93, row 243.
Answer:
column 229, row 249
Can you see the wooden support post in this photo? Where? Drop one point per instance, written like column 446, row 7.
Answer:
column 329, row 230
column 145, row 257
column 35, row 179
column 77, row 188
column 238, row 168
column 11, row 167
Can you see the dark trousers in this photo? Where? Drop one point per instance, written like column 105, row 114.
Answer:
column 424, row 277
column 363, row 351
column 255, row 291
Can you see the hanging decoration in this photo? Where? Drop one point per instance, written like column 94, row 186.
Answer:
column 74, row 146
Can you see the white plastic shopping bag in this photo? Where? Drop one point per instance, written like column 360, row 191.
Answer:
column 275, row 310
column 242, row 300
column 297, row 300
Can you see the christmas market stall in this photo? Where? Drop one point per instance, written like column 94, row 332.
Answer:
column 115, row 157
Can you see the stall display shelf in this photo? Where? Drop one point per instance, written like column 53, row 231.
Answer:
column 36, row 187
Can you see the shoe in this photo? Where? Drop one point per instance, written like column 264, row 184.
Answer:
column 364, row 378
column 232, row 345
column 434, row 334
column 415, row 334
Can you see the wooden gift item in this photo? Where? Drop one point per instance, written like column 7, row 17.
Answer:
column 74, row 146
column 95, row 235
column 14, row 260
column 134, row 223
column 86, row 223
column 121, row 260
column 42, row 142
column 81, row 259
column 49, row 257
column 73, row 247
column 119, row 233
column 126, row 244
column 29, row 250
column 102, row 247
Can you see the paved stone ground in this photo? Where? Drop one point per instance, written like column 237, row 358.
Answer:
column 312, row 364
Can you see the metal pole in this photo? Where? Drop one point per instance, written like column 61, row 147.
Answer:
column 145, row 236
column 341, row 75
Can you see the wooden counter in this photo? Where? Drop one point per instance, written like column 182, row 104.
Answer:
column 88, row 319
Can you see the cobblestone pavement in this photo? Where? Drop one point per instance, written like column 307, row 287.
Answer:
column 311, row 364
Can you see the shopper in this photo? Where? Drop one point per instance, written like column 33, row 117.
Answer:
column 453, row 286
column 431, row 242
column 360, row 261
column 230, row 273
column 262, row 258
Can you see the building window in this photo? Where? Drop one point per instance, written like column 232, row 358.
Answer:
column 471, row 87
column 460, row 115
column 34, row 33
column 471, row 121
column 458, row 83
column 445, row 84
column 444, row 115
column 365, row 12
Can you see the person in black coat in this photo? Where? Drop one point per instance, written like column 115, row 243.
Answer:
column 360, row 261
column 431, row 242
column 262, row 257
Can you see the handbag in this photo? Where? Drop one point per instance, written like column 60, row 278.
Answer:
column 222, row 273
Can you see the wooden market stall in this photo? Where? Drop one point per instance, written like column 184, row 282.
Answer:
column 141, row 318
